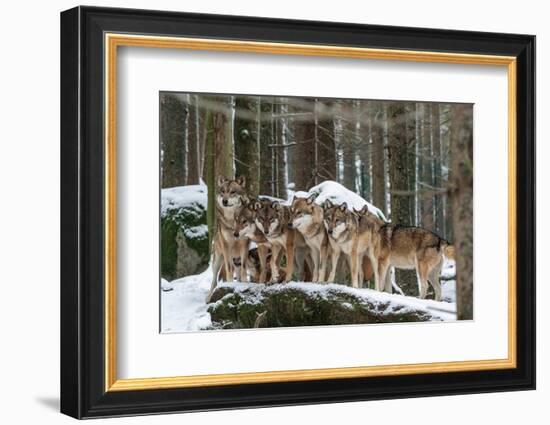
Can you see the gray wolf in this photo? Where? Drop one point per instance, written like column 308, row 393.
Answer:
column 230, row 200
column 307, row 219
column 406, row 247
column 274, row 219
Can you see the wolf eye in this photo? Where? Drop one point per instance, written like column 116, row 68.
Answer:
column 232, row 192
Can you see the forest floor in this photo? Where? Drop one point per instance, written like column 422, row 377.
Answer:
column 183, row 306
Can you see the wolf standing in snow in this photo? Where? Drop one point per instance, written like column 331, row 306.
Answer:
column 406, row 248
column 274, row 220
column 246, row 228
column 346, row 235
column 230, row 200
column 307, row 218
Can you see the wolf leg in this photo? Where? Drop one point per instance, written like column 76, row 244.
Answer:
column 422, row 275
column 335, row 255
column 323, row 257
column 434, row 280
column 315, row 257
column 275, row 250
column 262, row 253
column 387, row 284
column 353, row 270
column 383, row 267
column 289, row 257
column 216, row 267
column 243, row 251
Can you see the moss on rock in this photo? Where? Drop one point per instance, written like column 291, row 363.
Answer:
column 184, row 242
column 288, row 305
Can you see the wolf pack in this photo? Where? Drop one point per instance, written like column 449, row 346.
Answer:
column 267, row 241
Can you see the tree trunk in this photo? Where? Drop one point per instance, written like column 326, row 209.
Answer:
column 347, row 144
column 222, row 121
column 410, row 109
column 325, row 136
column 437, row 177
column 202, row 129
column 304, row 150
column 247, row 141
column 462, row 204
column 397, row 161
column 172, row 139
column 210, row 174
column 378, row 156
column 280, row 151
column 267, row 138
column 193, row 141
column 364, row 148
column 426, row 175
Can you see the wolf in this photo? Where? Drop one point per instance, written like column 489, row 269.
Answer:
column 348, row 235
column 307, row 219
column 230, row 200
column 406, row 247
column 342, row 225
column 273, row 219
column 246, row 228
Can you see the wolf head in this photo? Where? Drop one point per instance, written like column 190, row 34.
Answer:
column 231, row 193
column 245, row 220
column 270, row 217
column 302, row 211
column 337, row 218
column 368, row 218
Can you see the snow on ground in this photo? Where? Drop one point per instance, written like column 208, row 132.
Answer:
column 183, row 306
column 174, row 198
column 338, row 194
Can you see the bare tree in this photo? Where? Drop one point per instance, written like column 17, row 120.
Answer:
column 378, row 155
column 426, row 169
column 437, row 172
column 279, row 149
column 325, row 140
column 347, row 143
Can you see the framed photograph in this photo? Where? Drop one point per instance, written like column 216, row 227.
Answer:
column 261, row 212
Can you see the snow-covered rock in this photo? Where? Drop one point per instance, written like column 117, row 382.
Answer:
column 238, row 306
column 338, row 194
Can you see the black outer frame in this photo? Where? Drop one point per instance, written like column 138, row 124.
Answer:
column 82, row 219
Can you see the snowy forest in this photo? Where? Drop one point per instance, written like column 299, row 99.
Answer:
column 412, row 161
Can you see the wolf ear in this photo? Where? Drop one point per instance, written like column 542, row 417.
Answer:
column 327, row 204
column 365, row 209
column 275, row 205
column 256, row 206
column 343, row 207
column 221, row 180
column 311, row 198
column 242, row 181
